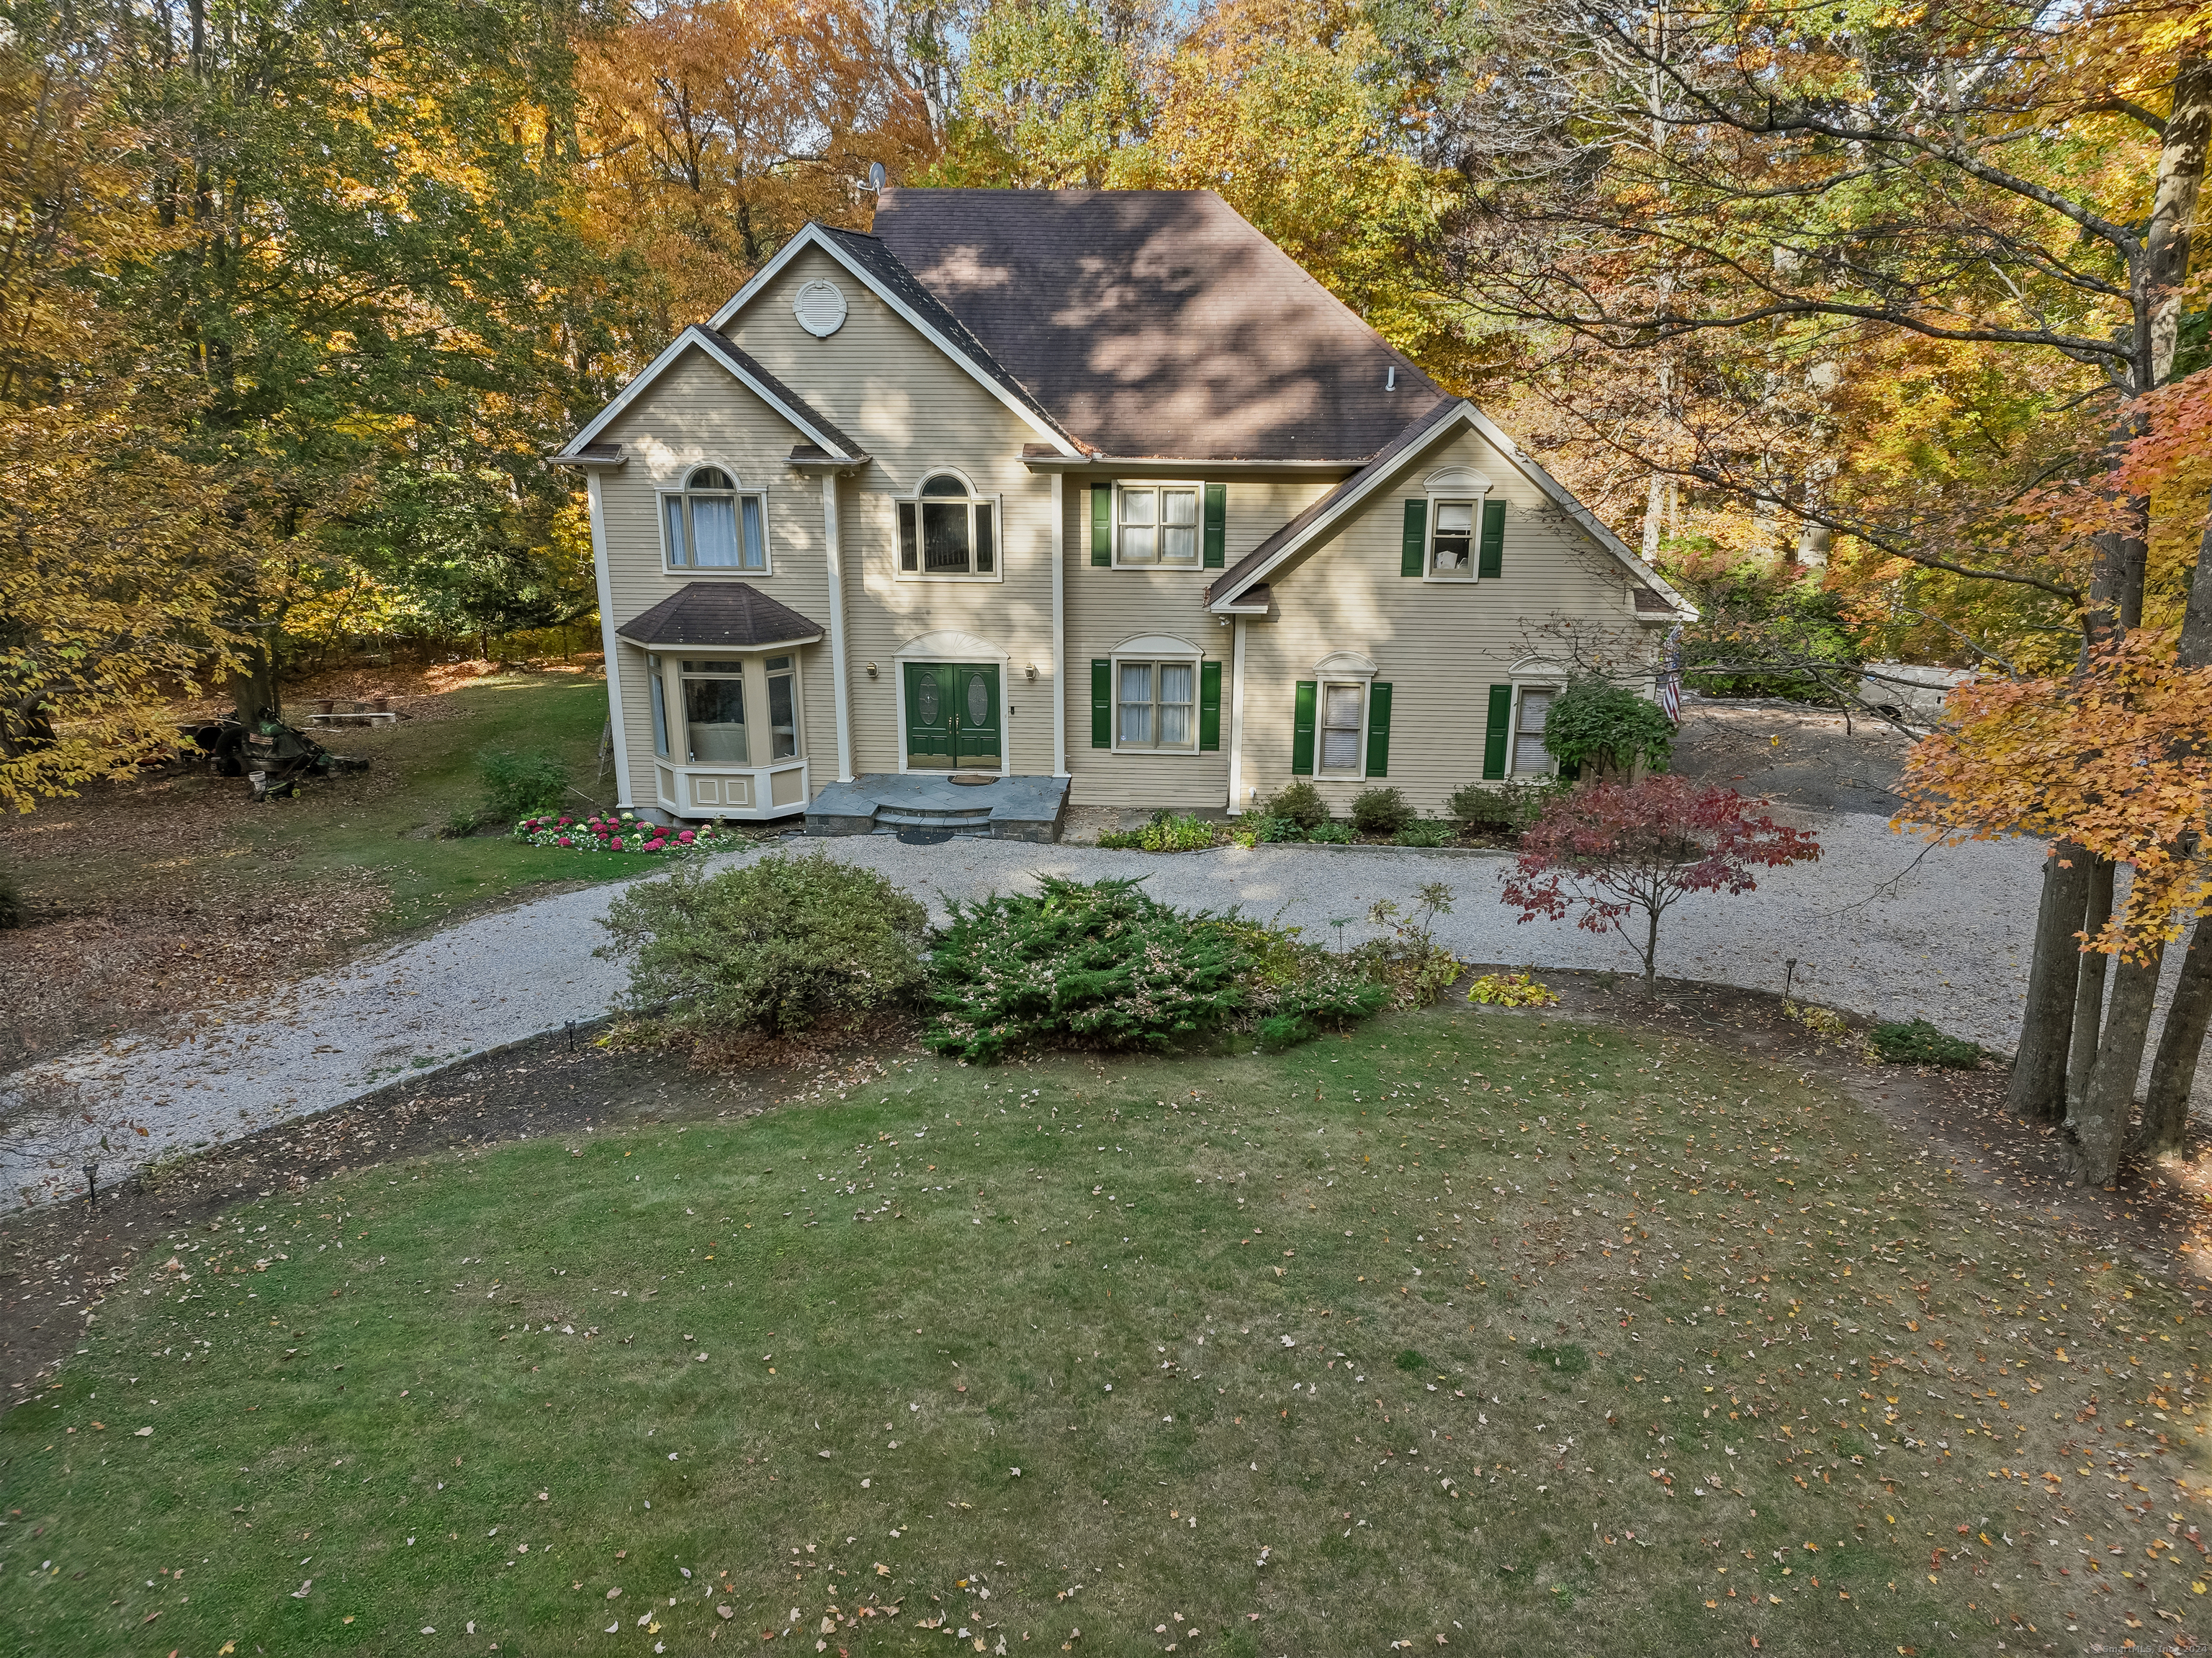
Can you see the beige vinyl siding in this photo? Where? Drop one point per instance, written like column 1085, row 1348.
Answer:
column 1107, row 605
column 1440, row 645
column 913, row 410
column 695, row 415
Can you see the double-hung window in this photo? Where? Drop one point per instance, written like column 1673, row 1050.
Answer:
column 1158, row 525
column 1343, row 728
column 1451, row 550
column 711, row 524
column 945, row 531
column 1532, row 709
column 1155, row 705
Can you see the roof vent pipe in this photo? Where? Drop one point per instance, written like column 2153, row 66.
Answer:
column 1390, row 384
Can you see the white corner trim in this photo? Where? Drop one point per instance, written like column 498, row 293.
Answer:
column 1060, row 625
column 719, row 348
column 813, row 236
column 609, row 644
column 840, row 701
column 1237, row 717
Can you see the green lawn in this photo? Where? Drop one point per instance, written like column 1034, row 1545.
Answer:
column 1439, row 1330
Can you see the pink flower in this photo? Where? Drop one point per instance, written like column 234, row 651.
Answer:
column 685, row 836
column 564, row 841
column 617, row 843
column 565, row 822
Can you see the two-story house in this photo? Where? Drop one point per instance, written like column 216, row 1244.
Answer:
column 1088, row 496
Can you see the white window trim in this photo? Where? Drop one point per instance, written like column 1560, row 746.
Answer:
column 752, row 667
column 1513, row 771
column 1341, row 675
column 692, row 572
column 1154, row 485
column 1155, row 651
column 1478, row 493
column 914, row 498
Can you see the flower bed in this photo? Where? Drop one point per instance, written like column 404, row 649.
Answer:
column 624, row 832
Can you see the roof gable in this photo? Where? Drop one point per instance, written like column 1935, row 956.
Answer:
column 583, row 449
column 1232, row 591
column 1157, row 322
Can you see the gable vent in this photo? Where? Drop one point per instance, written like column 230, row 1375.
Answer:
column 820, row 308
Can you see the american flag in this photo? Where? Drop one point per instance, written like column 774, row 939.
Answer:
column 1670, row 680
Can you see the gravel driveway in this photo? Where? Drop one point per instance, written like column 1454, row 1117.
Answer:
column 1880, row 926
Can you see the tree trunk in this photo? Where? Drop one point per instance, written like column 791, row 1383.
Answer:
column 252, row 688
column 2100, row 1126
column 2037, row 1088
column 2089, row 984
column 2173, row 209
column 2173, row 1071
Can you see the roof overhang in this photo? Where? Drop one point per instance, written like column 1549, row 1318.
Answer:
column 1353, row 501
column 1118, row 466
column 813, row 236
column 808, row 458
column 591, row 457
column 695, row 337
column 672, row 646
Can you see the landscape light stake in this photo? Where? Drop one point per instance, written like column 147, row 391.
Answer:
column 91, row 1189
column 1789, row 974
column 572, row 1036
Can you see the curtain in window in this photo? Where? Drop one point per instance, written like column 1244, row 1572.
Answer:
column 714, row 531
column 660, row 710
column 1342, row 706
column 1136, row 703
column 1140, row 535
column 1177, row 684
column 1529, row 753
column 715, row 717
column 756, row 542
column 678, row 547
column 782, row 710
column 1454, row 537
column 1178, row 527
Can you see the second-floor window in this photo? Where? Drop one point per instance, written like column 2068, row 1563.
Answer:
column 947, row 532
column 711, row 524
column 1159, row 525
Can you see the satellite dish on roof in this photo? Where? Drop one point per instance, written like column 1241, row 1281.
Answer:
column 878, row 179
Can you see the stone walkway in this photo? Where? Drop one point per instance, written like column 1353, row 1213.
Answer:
column 1880, row 926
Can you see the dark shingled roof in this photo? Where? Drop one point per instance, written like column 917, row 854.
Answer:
column 723, row 615
column 1155, row 322
column 797, row 405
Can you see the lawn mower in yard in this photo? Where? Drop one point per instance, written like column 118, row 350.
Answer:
column 273, row 755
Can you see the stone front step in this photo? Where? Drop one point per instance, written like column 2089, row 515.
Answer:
column 921, row 805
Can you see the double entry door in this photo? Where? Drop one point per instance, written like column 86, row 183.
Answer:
column 953, row 716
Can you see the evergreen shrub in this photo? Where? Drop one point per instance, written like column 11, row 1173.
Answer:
column 1302, row 804
column 1916, row 1042
column 1381, row 811
column 1595, row 721
column 776, row 947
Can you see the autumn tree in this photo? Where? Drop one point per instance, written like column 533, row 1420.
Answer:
column 1609, row 853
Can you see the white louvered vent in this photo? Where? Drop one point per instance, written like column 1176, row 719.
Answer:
column 820, row 309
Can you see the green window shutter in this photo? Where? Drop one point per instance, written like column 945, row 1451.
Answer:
column 1102, row 523
column 1493, row 735
column 1415, row 550
column 1101, row 703
column 1216, row 525
column 1301, row 728
column 1378, row 729
column 1209, row 706
column 1492, row 562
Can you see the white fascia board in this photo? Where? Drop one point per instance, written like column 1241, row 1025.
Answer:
column 1341, row 509
column 719, row 348
column 1549, row 487
column 812, row 236
column 1560, row 497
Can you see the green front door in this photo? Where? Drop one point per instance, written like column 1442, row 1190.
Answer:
column 952, row 716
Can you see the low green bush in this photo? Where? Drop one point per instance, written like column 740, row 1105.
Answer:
column 1165, row 832
column 1302, row 804
column 777, row 946
column 1105, row 964
column 1425, row 832
column 1262, row 830
column 1916, row 1042
column 1597, row 722
column 1331, row 834
column 1481, row 805
column 520, row 784
column 1381, row 811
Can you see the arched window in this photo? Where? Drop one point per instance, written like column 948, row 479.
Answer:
column 945, row 531
column 712, row 525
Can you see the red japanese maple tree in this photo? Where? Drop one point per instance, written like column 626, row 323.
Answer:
column 1609, row 850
